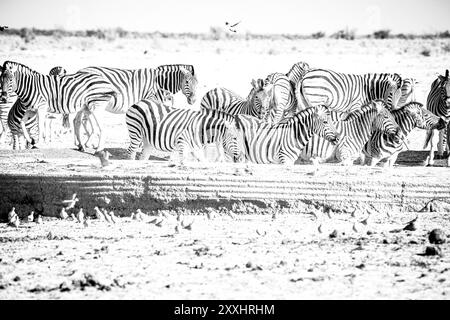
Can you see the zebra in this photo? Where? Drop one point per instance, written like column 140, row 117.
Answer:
column 297, row 72
column 135, row 85
column 438, row 102
column 14, row 119
column 283, row 103
column 408, row 93
column 355, row 130
column 408, row 117
column 282, row 143
column 170, row 129
column 63, row 94
column 342, row 92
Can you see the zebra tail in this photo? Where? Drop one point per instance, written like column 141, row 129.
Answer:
column 427, row 139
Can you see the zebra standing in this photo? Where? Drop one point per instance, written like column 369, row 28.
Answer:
column 135, row 85
column 297, row 72
column 15, row 116
column 355, row 130
column 347, row 92
column 283, row 103
column 63, row 94
column 408, row 117
column 438, row 102
column 169, row 129
column 282, row 143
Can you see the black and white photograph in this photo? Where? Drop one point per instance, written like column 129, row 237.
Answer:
column 224, row 150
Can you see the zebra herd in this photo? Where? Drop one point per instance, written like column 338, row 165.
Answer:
column 307, row 113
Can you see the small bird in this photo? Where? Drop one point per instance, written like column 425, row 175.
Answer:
column 232, row 26
column 39, row 219
column 365, row 221
column 30, row 217
column 80, row 216
column 72, row 216
column 98, row 214
column 188, row 226
column 132, row 216
column 63, row 214
column 103, row 155
column 71, row 203
column 15, row 222
column 113, row 217
column 87, row 223
column 411, row 226
column 106, row 215
column 3, row 28
column 12, row 214
column 159, row 224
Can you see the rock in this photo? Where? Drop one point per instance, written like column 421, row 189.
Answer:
column 436, row 236
column 432, row 251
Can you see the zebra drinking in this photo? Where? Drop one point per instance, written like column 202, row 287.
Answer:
column 169, row 129
column 283, row 142
column 408, row 117
column 355, row 130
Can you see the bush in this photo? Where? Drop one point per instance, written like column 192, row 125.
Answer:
column 344, row 34
column 382, row 34
column 446, row 47
column 27, row 35
column 445, row 34
column 318, row 35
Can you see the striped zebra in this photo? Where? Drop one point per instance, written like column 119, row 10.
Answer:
column 227, row 101
column 170, row 129
column 347, row 92
column 297, row 72
column 135, row 85
column 14, row 118
column 408, row 117
column 355, row 130
column 63, row 94
column 283, row 103
column 282, row 143
column 438, row 102
column 408, row 92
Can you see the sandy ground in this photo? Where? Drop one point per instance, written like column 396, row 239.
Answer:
column 228, row 257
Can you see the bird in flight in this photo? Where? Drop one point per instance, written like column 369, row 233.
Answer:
column 3, row 28
column 231, row 27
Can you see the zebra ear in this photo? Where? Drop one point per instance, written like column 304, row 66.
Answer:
column 254, row 84
column 260, row 83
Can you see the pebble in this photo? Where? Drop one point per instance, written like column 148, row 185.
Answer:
column 436, row 236
column 432, row 251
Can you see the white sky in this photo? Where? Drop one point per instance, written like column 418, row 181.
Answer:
column 258, row 16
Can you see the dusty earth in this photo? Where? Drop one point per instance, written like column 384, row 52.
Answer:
column 228, row 255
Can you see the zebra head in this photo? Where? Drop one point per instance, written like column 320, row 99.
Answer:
column 407, row 91
column 384, row 122
column 8, row 81
column 444, row 85
column 263, row 97
column 393, row 90
column 189, row 85
column 323, row 126
column 233, row 143
column 423, row 118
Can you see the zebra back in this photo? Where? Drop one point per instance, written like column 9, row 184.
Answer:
column 347, row 92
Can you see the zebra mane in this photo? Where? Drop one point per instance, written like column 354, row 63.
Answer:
column 407, row 105
column 174, row 67
column 22, row 67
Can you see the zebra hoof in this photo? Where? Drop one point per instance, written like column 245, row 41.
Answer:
column 81, row 148
column 34, row 147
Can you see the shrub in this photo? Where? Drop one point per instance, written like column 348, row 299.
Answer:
column 344, row 34
column 446, row 47
column 27, row 35
column 382, row 34
column 318, row 35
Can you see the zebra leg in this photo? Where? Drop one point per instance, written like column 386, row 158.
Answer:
column 392, row 159
column 99, row 123
column 76, row 131
column 374, row 161
column 146, row 150
column 440, row 146
column 28, row 114
column 430, row 158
